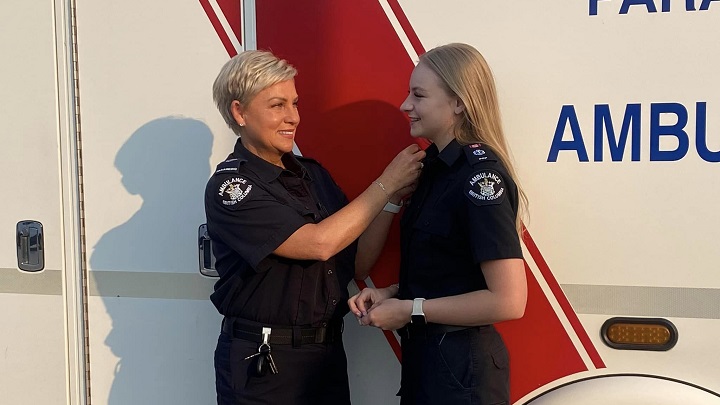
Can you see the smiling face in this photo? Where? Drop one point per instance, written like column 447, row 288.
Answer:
column 269, row 121
column 432, row 111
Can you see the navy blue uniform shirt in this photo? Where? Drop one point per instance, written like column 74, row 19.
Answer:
column 462, row 213
column 252, row 207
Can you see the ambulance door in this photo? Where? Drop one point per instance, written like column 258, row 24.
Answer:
column 151, row 134
column 40, row 319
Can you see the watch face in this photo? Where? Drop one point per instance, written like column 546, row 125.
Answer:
column 418, row 319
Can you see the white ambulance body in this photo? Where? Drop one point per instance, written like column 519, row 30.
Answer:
column 612, row 111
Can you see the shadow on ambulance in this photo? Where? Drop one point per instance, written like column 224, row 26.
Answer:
column 157, row 319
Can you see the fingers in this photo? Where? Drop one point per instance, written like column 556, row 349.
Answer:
column 353, row 306
column 412, row 148
column 358, row 302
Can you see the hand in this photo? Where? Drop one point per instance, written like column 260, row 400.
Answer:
column 403, row 193
column 389, row 314
column 360, row 302
column 404, row 169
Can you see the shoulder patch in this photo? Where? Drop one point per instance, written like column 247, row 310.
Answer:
column 476, row 153
column 485, row 187
column 233, row 190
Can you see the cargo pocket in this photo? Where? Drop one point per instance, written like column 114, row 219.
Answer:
column 494, row 382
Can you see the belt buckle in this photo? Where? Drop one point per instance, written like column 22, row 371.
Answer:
column 321, row 334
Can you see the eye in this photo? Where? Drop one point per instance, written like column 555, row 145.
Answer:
column 418, row 95
column 277, row 105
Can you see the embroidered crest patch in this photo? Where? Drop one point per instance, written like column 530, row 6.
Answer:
column 233, row 190
column 485, row 187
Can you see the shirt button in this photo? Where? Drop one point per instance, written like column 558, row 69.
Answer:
column 334, row 302
column 324, row 324
column 426, row 223
column 329, row 271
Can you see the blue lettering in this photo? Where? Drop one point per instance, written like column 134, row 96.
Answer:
column 701, row 135
column 677, row 130
column 617, row 146
column 650, row 5
column 627, row 3
column 689, row 5
column 705, row 4
column 594, row 6
column 567, row 116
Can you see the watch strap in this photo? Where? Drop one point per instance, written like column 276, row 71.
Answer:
column 418, row 316
column 393, row 208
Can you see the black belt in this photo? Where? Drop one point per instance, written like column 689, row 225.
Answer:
column 287, row 335
column 411, row 331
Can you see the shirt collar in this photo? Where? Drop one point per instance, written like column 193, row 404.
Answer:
column 266, row 170
column 448, row 155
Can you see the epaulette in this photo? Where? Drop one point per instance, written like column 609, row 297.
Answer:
column 229, row 165
column 477, row 153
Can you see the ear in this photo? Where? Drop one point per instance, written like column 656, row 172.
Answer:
column 238, row 112
column 459, row 107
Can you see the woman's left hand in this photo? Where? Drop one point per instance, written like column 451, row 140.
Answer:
column 389, row 314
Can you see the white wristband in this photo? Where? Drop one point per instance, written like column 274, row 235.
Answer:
column 393, row 208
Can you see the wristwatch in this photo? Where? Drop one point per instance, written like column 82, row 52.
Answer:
column 392, row 208
column 417, row 317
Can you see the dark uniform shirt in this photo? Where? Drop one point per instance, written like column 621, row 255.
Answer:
column 462, row 213
column 252, row 207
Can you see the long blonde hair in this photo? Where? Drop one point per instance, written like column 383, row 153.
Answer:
column 466, row 75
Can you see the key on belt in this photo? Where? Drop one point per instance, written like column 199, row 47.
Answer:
column 265, row 353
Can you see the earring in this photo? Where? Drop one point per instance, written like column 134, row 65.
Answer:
column 242, row 124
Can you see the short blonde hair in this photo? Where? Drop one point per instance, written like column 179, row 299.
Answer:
column 466, row 75
column 243, row 77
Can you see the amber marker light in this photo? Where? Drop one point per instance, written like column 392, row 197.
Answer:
column 639, row 334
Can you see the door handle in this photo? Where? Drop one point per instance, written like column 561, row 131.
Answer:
column 206, row 256
column 30, row 246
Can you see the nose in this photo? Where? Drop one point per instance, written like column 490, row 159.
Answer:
column 293, row 116
column 406, row 106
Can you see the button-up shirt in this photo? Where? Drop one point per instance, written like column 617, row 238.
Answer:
column 252, row 207
column 462, row 213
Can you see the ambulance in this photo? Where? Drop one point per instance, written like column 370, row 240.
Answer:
column 109, row 134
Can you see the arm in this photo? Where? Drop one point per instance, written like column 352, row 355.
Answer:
column 504, row 300
column 371, row 242
column 323, row 240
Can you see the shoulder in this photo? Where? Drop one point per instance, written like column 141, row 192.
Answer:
column 231, row 184
column 479, row 154
column 487, row 181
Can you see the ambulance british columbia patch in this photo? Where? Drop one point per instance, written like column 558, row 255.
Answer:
column 485, row 187
column 234, row 190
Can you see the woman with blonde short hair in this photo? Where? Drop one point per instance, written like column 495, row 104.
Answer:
column 287, row 243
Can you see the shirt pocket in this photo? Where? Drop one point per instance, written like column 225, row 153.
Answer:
column 434, row 223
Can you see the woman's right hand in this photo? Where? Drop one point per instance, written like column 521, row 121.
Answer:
column 404, row 170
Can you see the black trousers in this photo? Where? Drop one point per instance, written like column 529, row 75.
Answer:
column 311, row 374
column 465, row 367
